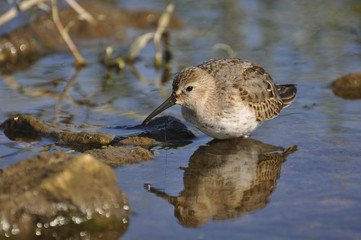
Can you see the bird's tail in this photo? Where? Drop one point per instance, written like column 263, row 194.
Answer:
column 287, row 93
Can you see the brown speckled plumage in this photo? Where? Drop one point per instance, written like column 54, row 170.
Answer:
column 255, row 85
column 227, row 97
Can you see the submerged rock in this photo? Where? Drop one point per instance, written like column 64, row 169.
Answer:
column 348, row 87
column 29, row 128
column 167, row 128
column 26, row 126
column 120, row 155
column 105, row 147
column 140, row 141
column 44, row 195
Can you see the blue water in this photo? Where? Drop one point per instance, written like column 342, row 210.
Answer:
column 308, row 43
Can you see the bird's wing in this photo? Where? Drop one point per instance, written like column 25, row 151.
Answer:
column 259, row 91
column 253, row 83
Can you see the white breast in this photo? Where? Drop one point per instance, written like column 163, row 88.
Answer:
column 239, row 122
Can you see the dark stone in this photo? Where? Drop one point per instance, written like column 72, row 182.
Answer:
column 167, row 129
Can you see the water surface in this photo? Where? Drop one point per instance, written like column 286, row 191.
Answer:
column 308, row 43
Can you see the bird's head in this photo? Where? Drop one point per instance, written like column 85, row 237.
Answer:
column 191, row 87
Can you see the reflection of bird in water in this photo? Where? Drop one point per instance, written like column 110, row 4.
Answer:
column 225, row 179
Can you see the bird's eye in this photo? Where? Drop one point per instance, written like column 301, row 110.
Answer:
column 189, row 88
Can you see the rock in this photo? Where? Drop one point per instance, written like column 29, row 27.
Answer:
column 348, row 87
column 29, row 128
column 56, row 194
column 140, row 141
column 98, row 144
column 120, row 155
column 26, row 127
column 167, row 129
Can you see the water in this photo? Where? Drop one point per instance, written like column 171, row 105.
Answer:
column 309, row 43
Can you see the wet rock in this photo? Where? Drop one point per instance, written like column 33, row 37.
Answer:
column 348, row 87
column 115, row 156
column 167, row 129
column 98, row 144
column 26, row 126
column 106, row 147
column 140, row 141
column 46, row 194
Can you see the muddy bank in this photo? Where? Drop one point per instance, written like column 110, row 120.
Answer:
column 23, row 45
column 226, row 179
column 56, row 195
column 348, row 86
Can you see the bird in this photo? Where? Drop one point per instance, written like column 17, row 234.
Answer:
column 227, row 98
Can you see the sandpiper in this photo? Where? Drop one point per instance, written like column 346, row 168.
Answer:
column 227, row 98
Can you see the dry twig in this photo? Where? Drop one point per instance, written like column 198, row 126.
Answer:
column 82, row 12
column 139, row 44
column 157, row 36
column 162, row 26
column 64, row 34
column 26, row 4
column 225, row 47
column 13, row 12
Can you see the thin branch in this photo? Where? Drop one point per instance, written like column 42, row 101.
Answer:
column 64, row 34
column 138, row 45
column 225, row 47
column 162, row 26
column 13, row 12
column 82, row 12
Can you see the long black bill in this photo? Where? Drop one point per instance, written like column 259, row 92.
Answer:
column 167, row 104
